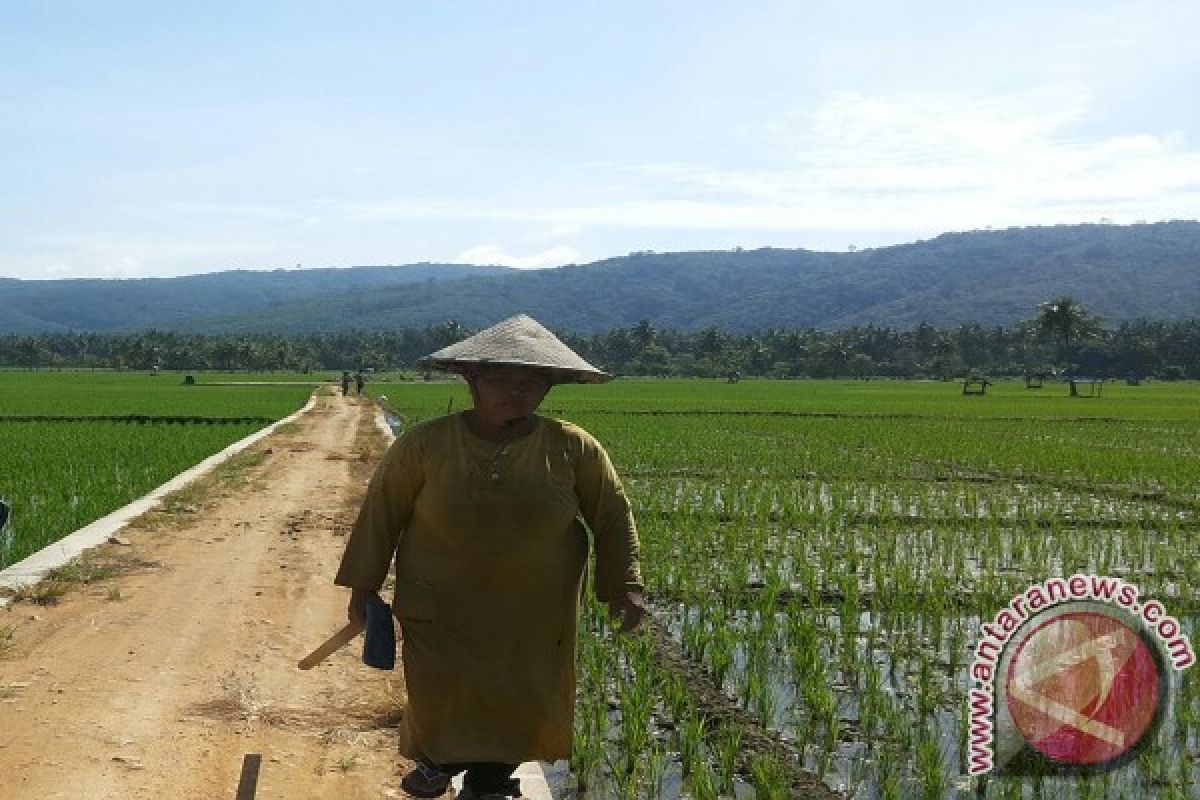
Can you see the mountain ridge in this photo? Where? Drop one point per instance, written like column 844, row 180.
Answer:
column 1149, row 271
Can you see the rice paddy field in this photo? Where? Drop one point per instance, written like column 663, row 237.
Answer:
column 75, row 446
column 821, row 556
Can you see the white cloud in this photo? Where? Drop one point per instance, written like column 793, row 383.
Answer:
column 915, row 162
column 952, row 162
column 495, row 254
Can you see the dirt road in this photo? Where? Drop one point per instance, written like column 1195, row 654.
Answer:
column 177, row 678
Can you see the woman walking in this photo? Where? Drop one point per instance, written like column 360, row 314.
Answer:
column 483, row 514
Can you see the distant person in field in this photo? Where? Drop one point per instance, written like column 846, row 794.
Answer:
column 359, row 380
column 483, row 513
column 345, row 382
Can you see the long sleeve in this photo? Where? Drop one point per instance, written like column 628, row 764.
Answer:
column 606, row 510
column 385, row 512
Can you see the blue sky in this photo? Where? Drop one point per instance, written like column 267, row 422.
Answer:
column 156, row 139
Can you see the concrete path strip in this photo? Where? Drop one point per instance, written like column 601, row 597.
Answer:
column 34, row 568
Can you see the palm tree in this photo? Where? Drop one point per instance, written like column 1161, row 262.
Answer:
column 644, row 333
column 1066, row 320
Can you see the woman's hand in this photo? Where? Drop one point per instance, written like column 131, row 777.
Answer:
column 356, row 611
column 630, row 607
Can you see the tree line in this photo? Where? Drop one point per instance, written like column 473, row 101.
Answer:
column 1062, row 338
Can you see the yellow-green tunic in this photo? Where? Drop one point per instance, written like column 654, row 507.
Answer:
column 490, row 554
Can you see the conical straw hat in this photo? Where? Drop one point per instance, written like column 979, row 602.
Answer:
column 517, row 341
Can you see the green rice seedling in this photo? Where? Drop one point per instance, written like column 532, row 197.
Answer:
column 857, row 777
column 763, row 701
column 814, row 587
column 769, row 778
column 1038, row 785
column 586, row 755
column 887, row 778
column 1153, row 766
column 1185, row 779
column 694, row 635
column 899, row 726
column 930, row 767
column 637, row 698
column 956, row 647
column 851, row 661
column 625, row 777
column 692, row 728
column 822, row 708
column 833, row 729
column 588, row 751
column 927, row 695
column 1008, row 789
column 656, row 771
column 722, row 647
column 677, row 697
column 1088, row 787
column 767, row 607
column 728, row 746
column 591, row 717
column 801, row 636
column 701, row 783
column 737, row 573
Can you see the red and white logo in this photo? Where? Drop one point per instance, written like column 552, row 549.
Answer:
column 1083, row 688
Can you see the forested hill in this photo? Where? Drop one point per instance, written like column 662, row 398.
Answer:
column 172, row 303
column 989, row 277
